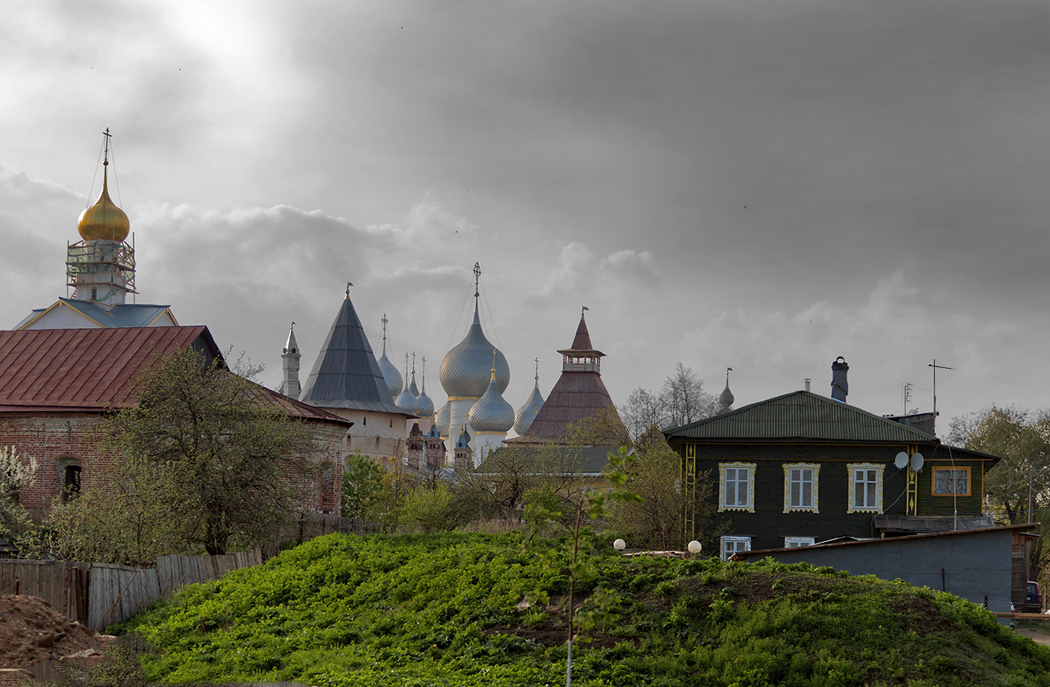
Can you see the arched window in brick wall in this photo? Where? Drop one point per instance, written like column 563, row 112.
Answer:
column 69, row 475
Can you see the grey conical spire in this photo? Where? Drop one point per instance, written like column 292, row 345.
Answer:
column 346, row 374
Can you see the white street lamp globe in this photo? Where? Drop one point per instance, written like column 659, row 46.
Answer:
column 619, row 545
column 695, row 547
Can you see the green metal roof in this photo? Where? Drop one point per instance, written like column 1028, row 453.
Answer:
column 801, row 415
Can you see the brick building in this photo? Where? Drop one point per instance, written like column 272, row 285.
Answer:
column 57, row 384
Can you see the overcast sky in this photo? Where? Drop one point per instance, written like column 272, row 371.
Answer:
column 756, row 184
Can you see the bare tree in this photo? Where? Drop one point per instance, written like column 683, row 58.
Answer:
column 642, row 411
column 684, row 398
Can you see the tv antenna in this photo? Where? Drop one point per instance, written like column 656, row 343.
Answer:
column 936, row 367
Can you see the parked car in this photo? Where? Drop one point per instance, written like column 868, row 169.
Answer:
column 1033, row 599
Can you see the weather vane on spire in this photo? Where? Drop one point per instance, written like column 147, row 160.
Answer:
column 348, row 285
column 537, row 370
column 585, row 309
column 477, row 278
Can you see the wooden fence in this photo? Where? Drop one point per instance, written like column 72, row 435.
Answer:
column 62, row 584
column 99, row 594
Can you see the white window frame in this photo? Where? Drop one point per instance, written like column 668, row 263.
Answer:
column 788, row 467
column 851, row 472
column 746, row 541
column 798, row 542
column 750, row 505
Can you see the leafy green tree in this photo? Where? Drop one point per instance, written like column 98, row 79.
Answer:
column 1022, row 440
column 657, row 522
column 1018, row 487
column 362, row 487
column 429, row 508
column 206, row 462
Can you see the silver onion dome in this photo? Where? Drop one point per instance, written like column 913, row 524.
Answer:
column 444, row 418
column 491, row 413
column 528, row 412
column 424, row 406
column 406, row 400
column 391, row 376
column 465, row 369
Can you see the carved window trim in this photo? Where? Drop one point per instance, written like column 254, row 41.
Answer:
column 851, row 470
column 814, row 507
column 736, row 466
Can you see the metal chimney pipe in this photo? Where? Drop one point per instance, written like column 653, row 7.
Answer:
column 839, row 385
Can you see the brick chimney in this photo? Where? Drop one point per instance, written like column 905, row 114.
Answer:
column 839, row 385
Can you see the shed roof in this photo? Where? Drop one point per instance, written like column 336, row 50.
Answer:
column 800, row 416
column 1022, row 529
column 346, row 374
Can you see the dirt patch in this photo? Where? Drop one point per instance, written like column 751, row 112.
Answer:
column 32, row 632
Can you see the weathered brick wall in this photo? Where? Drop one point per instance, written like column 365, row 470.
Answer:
column 54, row 439
column 57, row 438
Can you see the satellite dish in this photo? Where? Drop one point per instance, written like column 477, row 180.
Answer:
column 916, row 462
column 901, row 461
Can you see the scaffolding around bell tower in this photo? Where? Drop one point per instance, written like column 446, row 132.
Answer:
column 101, row 271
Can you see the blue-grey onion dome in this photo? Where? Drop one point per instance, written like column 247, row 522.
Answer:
column 491, row 413
column 424, row 406
column 406, row 401
column 725, row 399
column 465, row 369
column 528, row 412
column 444, row 418
column 391, row 376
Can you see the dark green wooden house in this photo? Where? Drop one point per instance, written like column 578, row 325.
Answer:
column 801, row 468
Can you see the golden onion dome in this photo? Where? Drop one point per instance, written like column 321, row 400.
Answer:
column 104, row 220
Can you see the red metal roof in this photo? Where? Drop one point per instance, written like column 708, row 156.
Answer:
column 581, row 343
column 576, row 396
column 83, row 369
column 48, row 370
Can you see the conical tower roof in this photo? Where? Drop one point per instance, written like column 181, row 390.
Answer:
column 578, row 394
column 346, row 374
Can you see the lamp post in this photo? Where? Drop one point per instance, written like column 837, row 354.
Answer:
column 695, row 548
column 619, row 545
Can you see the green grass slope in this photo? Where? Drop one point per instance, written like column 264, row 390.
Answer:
column 445, row 610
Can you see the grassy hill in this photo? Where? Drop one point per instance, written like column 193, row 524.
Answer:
column 447, row 610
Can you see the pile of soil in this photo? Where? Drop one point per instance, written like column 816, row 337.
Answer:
column 32, row 632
